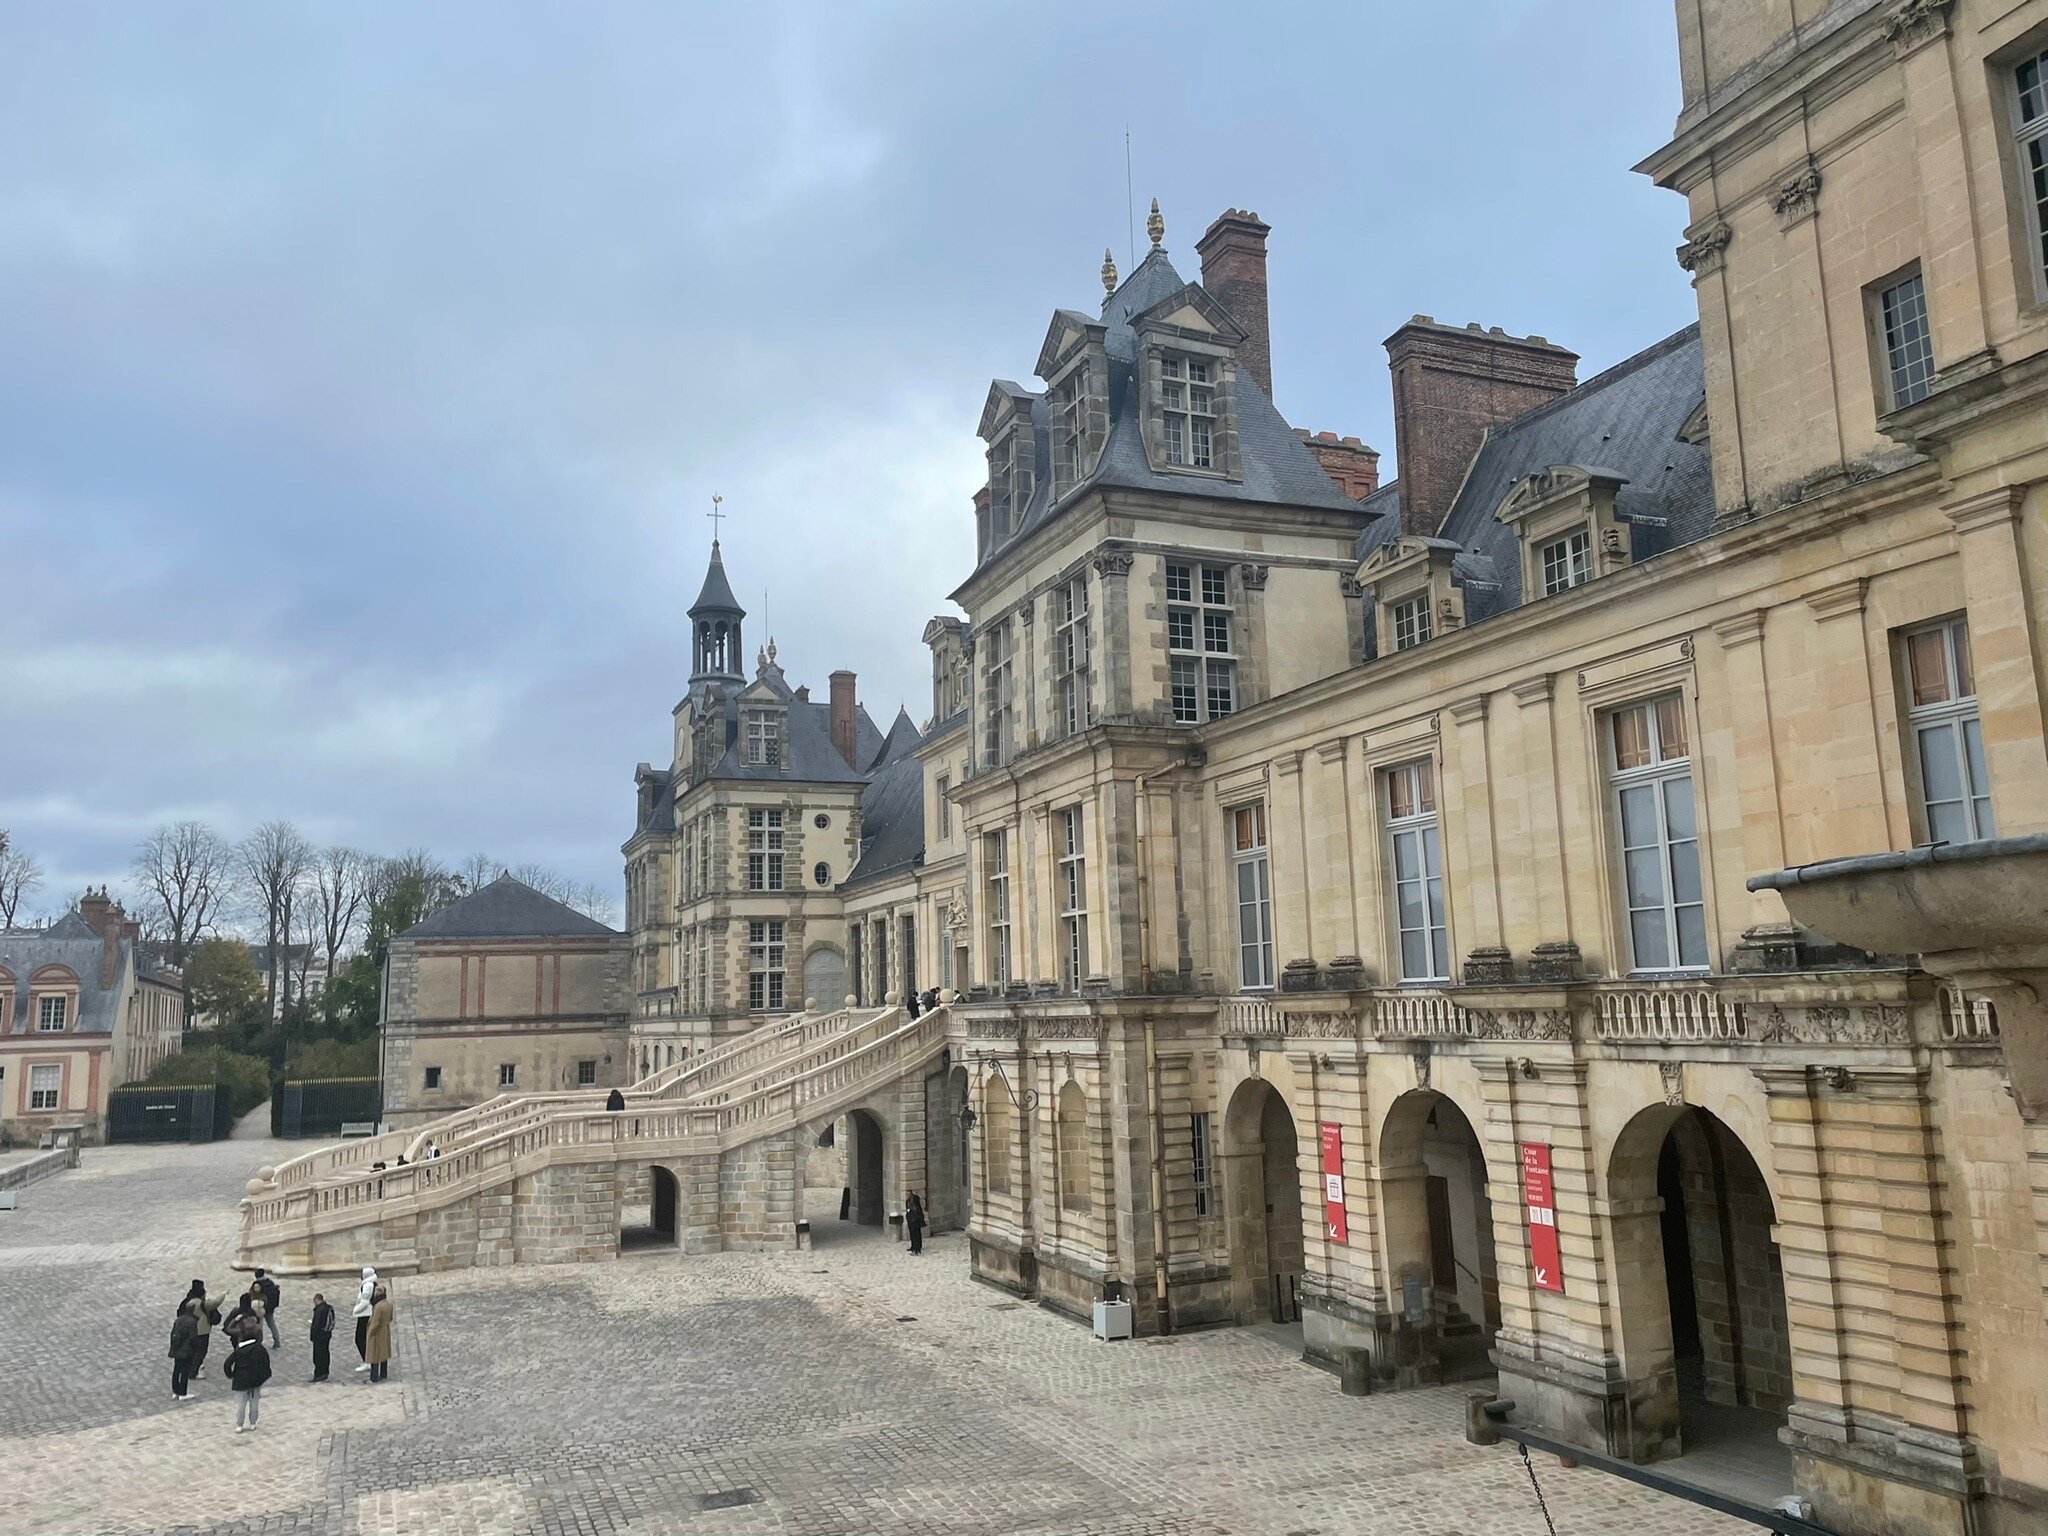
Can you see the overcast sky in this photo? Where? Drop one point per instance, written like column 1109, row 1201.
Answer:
column 366, row 371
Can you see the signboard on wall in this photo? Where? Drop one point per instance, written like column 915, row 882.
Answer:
column 1335, row 1226
column 1539, row 1195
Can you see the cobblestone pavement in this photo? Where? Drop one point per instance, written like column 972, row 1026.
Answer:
column 851, row 1389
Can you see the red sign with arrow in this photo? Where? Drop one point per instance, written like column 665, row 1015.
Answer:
column 1539, row 1194
column 1335, row 1226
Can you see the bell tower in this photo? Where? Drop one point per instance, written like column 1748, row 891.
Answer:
column 716, row 655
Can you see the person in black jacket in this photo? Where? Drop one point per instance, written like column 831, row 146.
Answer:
column 615, row 1101
column 323, row 1332
column 266, row 1287
column 184, row 1341
column 913, row 1223
column 247, row 1369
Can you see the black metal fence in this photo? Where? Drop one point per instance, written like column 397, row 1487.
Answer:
column 322, row 1106
column 172, row 1112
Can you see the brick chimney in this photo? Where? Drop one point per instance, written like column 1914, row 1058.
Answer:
column 844, row 737
column 1450, row 385
column 1233, row 253
column 96, row 907
column 1355, row 467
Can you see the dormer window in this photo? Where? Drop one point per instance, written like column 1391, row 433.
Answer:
column 764, row 739
column 1566, row 562
column 1411, row 622
column 1002, row 471
column 1070, row 430
column 1564, row 517
column 1187, row 396
column 1413, row 597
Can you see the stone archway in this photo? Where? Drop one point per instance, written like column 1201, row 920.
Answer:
column 1437, row 1221
column 949, row 1197
column 1706, row 1341
column 1262, row 1204
column 663, row 1198
column 866, row 1205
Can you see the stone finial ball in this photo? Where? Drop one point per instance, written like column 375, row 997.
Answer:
column 810, row 1005
column 891, row 999
column 852, row 1001
column 255, row 1187
column 267, row 1175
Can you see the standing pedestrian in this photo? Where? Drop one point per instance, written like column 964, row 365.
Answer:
column 913, row 1223
column 184, row 1339
column 206, row 1312
column 379, row 1338
column 615, row 1101
column 322, row 1334
column 266, row 1287
column 361, row 1311
column 247, row 1369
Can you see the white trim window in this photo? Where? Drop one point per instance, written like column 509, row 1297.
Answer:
column 686, row 979
column 1202, row 658
column 1253, row 879
column 1410, row 619
column 703, row 967
column 2030, row 82
column 1070, row 654
column 764, row 741
column 1187, row 394
column 1566, row 562
column 765, row 973
column 53, row 1012
column 1651, row 765
column 1070, row 429
column 1073, row 868
column 704, row 856
column 1908, row 347
column 1422, row 940
column 995, row 855
column 586, row 1074
column 1948, row 738
column 996, row 694
column 943, row 806
column 764, row 850
column 45, row 1086
column 508, row 1074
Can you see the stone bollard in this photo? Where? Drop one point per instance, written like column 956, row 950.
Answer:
column 1354, row 1372
column 1479, row 1429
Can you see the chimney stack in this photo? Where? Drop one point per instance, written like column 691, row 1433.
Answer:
column 1346, row 460
column 842, row 707
column 1233, row 253
column 1450, row 385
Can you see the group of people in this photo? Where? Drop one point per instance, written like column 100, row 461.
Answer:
column 247, row 1366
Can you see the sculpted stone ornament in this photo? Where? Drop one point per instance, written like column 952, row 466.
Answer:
column 1797, row 195
column 1253, row 576
column 1874, row 1024
column 1113, row 562
column 1069, row 1029
column 1701, row 253
column 1913, row 22
column 1519, row 1024
column 1673, row 1074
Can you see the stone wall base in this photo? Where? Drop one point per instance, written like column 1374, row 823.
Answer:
column 1003, row 1265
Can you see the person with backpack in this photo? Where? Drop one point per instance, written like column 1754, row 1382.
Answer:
column 266, row 1287
column 322, row 1334
column 206, row 1313
column 184, row 1339
column 247, row 1369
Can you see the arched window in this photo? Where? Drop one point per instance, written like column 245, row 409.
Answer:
column 1076, row 1181
column 998, row 1129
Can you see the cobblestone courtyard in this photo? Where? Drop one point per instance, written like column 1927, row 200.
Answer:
column 850, row 1389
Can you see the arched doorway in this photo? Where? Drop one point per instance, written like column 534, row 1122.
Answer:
column 1262, row 1204
column 1706, row 1344
column 662, row 1206
column 949, row 1196
column 1438, row 1221
column 654, row 1224
column 864, row 1168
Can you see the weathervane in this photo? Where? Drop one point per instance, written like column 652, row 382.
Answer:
column 715, row 514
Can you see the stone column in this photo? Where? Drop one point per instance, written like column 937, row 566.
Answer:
column 1333, row 910
column 1478, row 920
column 1287, row 856
column 1113, row 566
column 1132, row 1125
column 1845, row 706
column 1368, row 897
column 1024, row 676
column 1753, row 751
column 1254, row 665
column 1542, row 854
column 2003, row 656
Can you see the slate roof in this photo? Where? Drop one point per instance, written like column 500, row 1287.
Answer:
column 892, row 823
column 508, row 909
column 901, row 741
column 807, row 748
column 1624, row 422
column 1276, row 466
column 717, row 591
column 69, row 942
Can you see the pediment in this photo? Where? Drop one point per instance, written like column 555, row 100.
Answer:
column 1191, row 311
column 1004, row 400
column 1548, row 486
column 1696, row 429
column 1069, row 332
column 768, row 688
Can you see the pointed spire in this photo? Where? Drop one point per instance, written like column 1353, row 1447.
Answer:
column 1108, row 271
column 1155, row 226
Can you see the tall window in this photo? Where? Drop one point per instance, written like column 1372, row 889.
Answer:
column 764, row 850
column 1002, row 465
column 1070, row 430
column 1202, row 659
column 1660, row 850
column 2032, row 81
column 764, row 965
column 1187, row 394
column 1254, row 897
column 1070, row 653
column 703, row 967
column 686, row 946
column 1415, row 855
column 1198, row 1136
column 996, row 861
column 1567, row 562
column 998, row 1130
column 51, row 1013
column 995, row 694
column 704, row 856
column 44, row 1082
column 764, row 741
column 1908, row 350
column 1411, row 622
column 1076, row 1188
column 944, row 783
column 1073, row 874
column 1948, row 741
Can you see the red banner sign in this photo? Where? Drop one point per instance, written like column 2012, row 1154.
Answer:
column 1539, row 1194
column 1335, row 1227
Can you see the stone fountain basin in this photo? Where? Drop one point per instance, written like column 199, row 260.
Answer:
column 1943, row 898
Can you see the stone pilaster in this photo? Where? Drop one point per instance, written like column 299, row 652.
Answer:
column 1753, row 751
column 1842, row 706
column 1113, row 567
column 1474, row 890
column 1285, row 840
column 2003, row 655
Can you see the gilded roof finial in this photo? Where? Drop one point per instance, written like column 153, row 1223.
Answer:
column 1108, row 271
column 1155, row 226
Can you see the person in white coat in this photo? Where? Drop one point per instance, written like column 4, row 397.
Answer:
column 362, row 1309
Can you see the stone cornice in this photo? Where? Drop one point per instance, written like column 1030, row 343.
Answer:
column 1987, row 509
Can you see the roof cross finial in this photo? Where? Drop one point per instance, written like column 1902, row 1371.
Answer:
column 1108, row 271
column 715, row 514
column 1155, row 226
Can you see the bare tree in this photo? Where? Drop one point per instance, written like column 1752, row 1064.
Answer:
column 20, row 873
column 275, row 860
column 546, row 881
column 478, row 871
column 596, row 901
column 184, row 873
column 341, row 886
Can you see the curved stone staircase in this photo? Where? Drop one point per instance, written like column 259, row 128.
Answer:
column 540, row 1177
